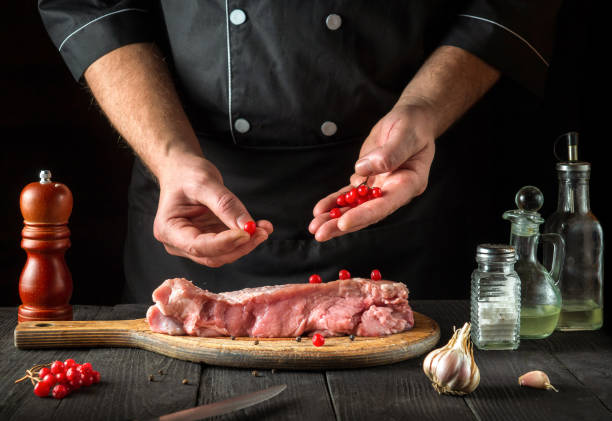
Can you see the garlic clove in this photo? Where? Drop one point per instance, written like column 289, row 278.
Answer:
column 537, row 379
column 452, row 369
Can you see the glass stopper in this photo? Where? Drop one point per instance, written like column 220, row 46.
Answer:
column 529, row 198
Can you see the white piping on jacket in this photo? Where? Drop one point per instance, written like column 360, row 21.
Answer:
column 97, row 19
column 512, row 32
column 229, row 70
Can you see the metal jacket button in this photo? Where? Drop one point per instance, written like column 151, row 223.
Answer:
column 329, row 128
column 242, row 125
column 333, row 22
column 237, row 17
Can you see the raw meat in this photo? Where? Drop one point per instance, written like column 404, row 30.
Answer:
column 351, row 306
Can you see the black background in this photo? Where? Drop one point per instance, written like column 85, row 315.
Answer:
column 47, row 121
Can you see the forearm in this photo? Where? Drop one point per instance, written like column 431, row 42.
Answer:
column 134, row 89
column 449, row 83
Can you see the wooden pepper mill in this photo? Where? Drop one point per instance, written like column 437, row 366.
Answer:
column 45, row 285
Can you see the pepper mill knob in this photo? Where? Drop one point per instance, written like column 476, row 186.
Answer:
column 529, row 198
column 45, row 284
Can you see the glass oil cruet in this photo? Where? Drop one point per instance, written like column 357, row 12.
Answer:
column 540, row 296
column 581, row 278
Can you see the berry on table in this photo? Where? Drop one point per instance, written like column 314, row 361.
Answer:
column 96, row 376
column 61, row 377
column 344, row 274
column 57, row 367
column 42, row 389
column 375, row 275
column 43, row 372
column 86, row 368
column 50, row 379
column 60, row 391
column 318, row 339
column 314, row 279
column 335, row 213
column 250, row 227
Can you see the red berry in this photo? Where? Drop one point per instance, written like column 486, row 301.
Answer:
column 43, row 372
column 314, row 279
column 375, row 275
column 96, row 376
column 341, row 201
column 344, row 274
column 50, row 379
column 76, row 383
column 250, row 227
column 60, row 391
column 362, row 190
column 335, row 213
column 87, row 380
column 61, row 377
column 318, row 339
column 72, row 373
column 376, row 192
column 69, row 363
column 42, row 389
column 351, row 196
column 86, row 368
column 57, row 367
column 361, row 200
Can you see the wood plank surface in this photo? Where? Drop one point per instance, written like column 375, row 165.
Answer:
column 578, row 363
column 284, row 353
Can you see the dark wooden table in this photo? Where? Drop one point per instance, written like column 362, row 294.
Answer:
column 579, row 364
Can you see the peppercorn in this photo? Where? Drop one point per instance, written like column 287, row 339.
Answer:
column 151, row 378
column 255, row 373
column 185, row 381
column 256, row 342
column 352, row 337
column 233, row 338
column 161, row 372
column 298, row 339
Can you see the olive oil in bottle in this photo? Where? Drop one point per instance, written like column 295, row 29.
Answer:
column 537, row 322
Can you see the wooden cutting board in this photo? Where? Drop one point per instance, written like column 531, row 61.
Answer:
column 286, row 353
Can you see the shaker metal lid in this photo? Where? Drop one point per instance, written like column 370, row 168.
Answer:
column 569, row 166
column 495, row 252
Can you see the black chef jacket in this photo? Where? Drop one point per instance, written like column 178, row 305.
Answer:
column 281, row 95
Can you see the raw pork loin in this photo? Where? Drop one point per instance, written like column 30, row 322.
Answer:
column 351, row 306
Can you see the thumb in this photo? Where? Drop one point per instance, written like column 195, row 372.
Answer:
column 224, row 204
column 399, row 146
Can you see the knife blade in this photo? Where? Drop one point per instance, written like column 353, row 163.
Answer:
column 223, row 407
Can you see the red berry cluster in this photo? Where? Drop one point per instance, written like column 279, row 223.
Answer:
column 355, row 197
column 61, row 378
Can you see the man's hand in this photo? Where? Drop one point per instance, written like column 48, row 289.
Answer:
column 199, row 218
column 396, row 157
column 398, row 153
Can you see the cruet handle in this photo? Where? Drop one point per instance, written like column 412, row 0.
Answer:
column 558, row 254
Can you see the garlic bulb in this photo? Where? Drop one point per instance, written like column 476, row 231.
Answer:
column 452, row 369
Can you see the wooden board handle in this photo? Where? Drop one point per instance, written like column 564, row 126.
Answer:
column 89, row 333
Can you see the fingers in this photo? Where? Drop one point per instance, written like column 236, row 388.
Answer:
column 210, row 250
column 222, row 202
column 328, row 202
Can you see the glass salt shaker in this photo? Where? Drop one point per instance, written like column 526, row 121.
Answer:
column 540, row 296
column 495, row 298
column 581, row 278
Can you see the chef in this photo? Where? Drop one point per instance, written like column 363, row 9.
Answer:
column 265, row 111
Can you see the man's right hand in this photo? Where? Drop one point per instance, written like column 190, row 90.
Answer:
column 199, row 218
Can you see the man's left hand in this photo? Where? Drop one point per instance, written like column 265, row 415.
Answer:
column 396, row 156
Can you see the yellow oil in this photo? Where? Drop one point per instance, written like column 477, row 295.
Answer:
column 538, row 321
column 580, row 315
